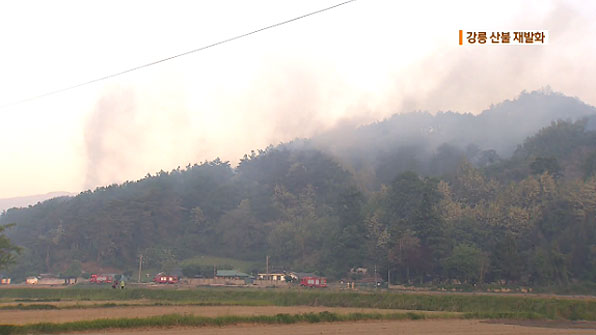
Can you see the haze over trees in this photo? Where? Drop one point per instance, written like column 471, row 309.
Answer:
column 507, row 195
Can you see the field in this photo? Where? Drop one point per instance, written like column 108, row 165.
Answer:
column 268, row 311
column 431, row 327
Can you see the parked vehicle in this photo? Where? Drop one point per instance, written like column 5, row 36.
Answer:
column 313, row 282
column 101, row 278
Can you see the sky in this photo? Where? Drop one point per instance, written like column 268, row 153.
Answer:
column 355, row 64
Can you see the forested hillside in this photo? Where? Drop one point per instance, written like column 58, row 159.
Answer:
column 434, row 144
column 443, row 204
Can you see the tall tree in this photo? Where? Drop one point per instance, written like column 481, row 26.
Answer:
column 8, row 251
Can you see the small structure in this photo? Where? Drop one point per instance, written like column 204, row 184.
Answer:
column 70, row 280
column 273, row 279
column 232, row 277
column 49, row 279
column 4, row 280
column 359, row 271
column 276, row 276
column 162, row 278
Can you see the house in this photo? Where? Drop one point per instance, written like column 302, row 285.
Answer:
column 31, row 280
column 231, row 277
column 275, row 276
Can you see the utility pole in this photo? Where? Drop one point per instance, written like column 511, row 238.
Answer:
column 267, row 267
column 388, row 277
column 376, row 280
column 140, row 267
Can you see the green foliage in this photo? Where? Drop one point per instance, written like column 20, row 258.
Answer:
column 177, row 320
column 162, row 258
column 73, row 271
column 548, row 165
column 466, row 263
column 557, row 141
column 8, row 251
column 195, row 270
column 28, row 307
column 589, row 166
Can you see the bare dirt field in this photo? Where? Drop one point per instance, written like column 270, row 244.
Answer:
column 449, row 327
column 19, row 317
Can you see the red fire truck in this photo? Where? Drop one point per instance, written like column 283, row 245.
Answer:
column 101, row 278
column 162, row 278
column 313, row 282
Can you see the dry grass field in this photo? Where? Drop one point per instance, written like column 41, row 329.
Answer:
column 264, row 312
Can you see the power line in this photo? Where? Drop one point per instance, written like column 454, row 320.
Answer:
column 175, row 56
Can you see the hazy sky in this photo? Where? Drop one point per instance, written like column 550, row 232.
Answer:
column 357, row 63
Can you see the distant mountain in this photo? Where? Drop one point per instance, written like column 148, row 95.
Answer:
column 25, row 201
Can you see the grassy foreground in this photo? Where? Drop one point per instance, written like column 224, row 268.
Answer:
column 543, row 307
column 176, row 320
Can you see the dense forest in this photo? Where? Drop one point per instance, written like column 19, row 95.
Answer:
column 508, row 195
